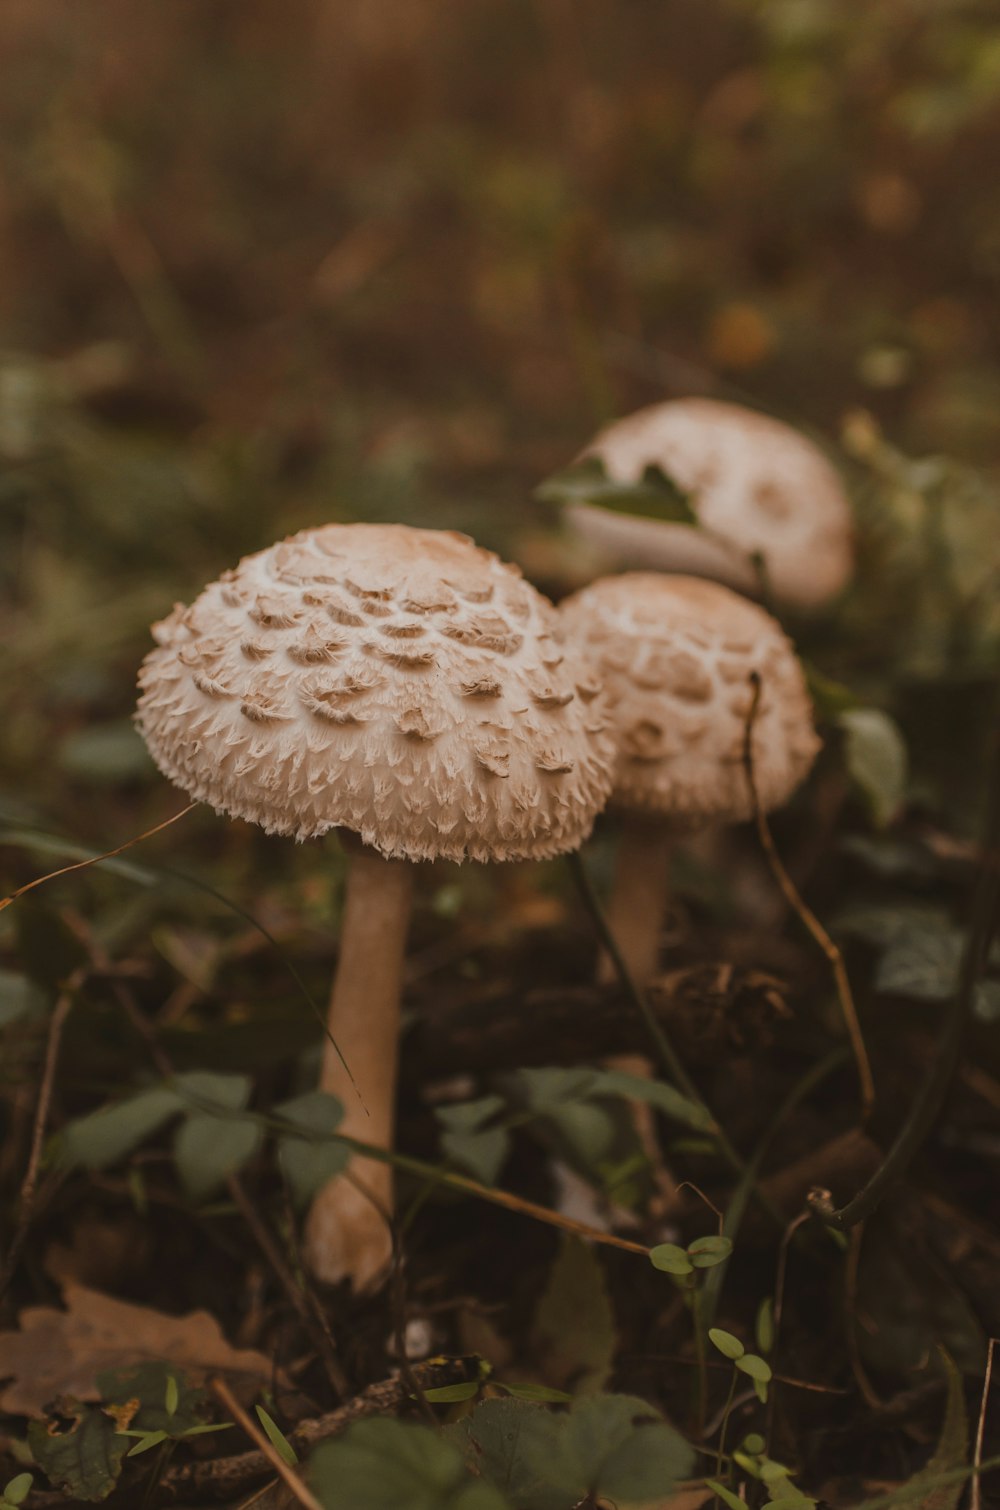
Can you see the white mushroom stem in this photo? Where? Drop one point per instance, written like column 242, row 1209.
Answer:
column 347, row 1233
column 639, row 895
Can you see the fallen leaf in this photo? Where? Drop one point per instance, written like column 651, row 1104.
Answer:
column 62, row 1352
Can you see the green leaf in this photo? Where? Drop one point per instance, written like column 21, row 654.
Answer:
column 84, row 1457
column 446, row 1394
column 106, row 754
column 728, row 1345
column 148, row 1440
column 764, row 1327
column 150, row 1384
column 481, row 1154
column 511, row 1445
column 671, row 1259
column 654, row 496
column 391, row 1465
column 952, row 1448
column 19, row 997
column 211, row 1088
column 725, row 1495
column 707, row 1252
column 623, row 1451
column 310, row 1163
column 104, row 1137
column 875, row 753
column 753, row 1366
column 277, row 1437
column 573, row 1331
column 18, row 1488
column 656, row 1093
column 208, row 1149
column 538, row 1393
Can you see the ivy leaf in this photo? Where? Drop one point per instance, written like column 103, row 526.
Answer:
column 470, row 1142
column 310, row 1163
column 19, row 997
column 510, row 1445
column 79, row 1450
column 104, row 1137
column 208, row 1149
column 389, row 1465
column 618, row 1449
column 876, row 758
column 573, row 1331
column 952, row 1448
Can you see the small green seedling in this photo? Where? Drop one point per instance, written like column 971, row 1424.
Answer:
column 756, row 1368
column 178, row 1425
column 277, row 1438
column 16, row 1491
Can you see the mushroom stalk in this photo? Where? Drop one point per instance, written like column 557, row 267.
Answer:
column 639, row 895
column 347, row 1235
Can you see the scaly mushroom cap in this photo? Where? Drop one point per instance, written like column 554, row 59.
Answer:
column 398, row 682
column 756, row 486
column 677, row 655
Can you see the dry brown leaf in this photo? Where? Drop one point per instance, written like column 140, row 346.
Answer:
column 62, row 1352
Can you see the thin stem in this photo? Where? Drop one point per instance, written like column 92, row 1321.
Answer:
column 94, row 859
column 931, row 1098
column 977, row 1488
column 721, row 1450
column 701, row 1363
column 805, row 913
column 29, row 1185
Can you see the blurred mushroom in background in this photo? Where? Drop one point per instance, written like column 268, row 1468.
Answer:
column 765, row 512
column 677, row 655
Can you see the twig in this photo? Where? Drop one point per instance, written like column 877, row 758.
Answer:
column 851, row 1270
column 977, row 1460
column 94, row 859
column 285, row 1471
column 225, row 1478
column 29, row 1185
column 314, row 1326
column 931, row 1097
column 805, row 913
column 779, row 1312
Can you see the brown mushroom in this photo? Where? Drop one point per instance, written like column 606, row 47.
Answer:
column 409, row 688
column 677, row 655
column 757, row 487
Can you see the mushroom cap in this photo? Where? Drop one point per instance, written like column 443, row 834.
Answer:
column 401, row 683
column 677, row 655
column 756, row 485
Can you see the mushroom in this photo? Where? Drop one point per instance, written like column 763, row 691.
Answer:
column 411, row 689
column 677, row 656
column 758, row 488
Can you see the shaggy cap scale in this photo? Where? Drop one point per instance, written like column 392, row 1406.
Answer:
column 756, row 485
column 677, row 655
column 400, row 683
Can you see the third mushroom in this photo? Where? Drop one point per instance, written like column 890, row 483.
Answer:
column 678, row 655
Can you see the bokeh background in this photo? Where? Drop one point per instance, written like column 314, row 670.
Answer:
column 265, row 265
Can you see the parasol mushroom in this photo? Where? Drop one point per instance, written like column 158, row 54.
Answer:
column 677, row 655
column 757, row 487
column 407, row 687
